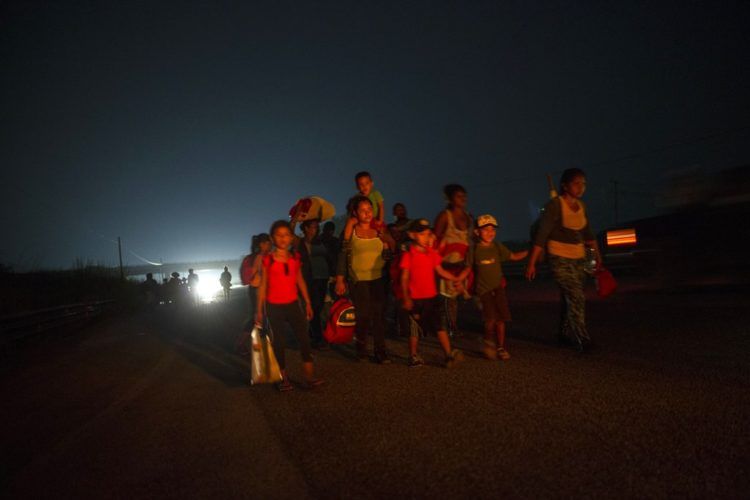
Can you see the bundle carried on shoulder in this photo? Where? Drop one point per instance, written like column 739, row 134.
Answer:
column 312, row 207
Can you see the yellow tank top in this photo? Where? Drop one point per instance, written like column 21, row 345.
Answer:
column 570, row 220
column 367, row 258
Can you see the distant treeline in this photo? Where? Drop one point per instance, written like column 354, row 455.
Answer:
column 34, row 290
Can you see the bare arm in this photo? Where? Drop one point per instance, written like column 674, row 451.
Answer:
column 342, row 265
column 441, row 224
column 440, row 270
column 407, row 302
column 349, row 228
column 293, row 224
column 386, row 237
column 594, row 245
column 255, row 268
column 261, row 300
column 536, row 251
column 464, row 274
column 305, row 296
column 519, row 255
column 381, row 211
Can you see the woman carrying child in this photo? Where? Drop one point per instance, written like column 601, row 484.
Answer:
column 565, row 231
column 361, row 261
column 278, row 295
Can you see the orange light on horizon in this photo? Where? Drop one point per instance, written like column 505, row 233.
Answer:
column 620, row 237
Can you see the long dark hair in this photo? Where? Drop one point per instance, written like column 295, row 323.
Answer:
column 278, row 225
column 257, row 239
column 354, row 202
column 568, row 176
column 450, row 190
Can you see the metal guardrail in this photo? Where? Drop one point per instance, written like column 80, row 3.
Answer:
column 17, row 326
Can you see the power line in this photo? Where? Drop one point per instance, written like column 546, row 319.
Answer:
column 630, row 156
column 684, row 142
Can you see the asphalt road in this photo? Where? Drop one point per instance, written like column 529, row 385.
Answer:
column 158, row 405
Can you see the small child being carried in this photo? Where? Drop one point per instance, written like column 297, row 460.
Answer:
column 365, row 187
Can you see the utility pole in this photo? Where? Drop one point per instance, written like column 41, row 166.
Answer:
column 617, row 204
column 119, row 253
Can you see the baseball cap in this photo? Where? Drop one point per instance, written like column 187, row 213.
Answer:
column 418, row 225
column 486, row 220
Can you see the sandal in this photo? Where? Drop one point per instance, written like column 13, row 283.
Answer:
column 314, row 383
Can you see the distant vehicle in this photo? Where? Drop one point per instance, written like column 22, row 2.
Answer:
column 702, row 240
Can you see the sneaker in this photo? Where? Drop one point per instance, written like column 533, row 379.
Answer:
column 454, row 357
column 382, row 358
column 489, row 350
column 284, row 386
column 502, row 354
column 415, row 361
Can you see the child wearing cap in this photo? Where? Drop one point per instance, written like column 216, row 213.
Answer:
column 420, row 297
column 485, row 258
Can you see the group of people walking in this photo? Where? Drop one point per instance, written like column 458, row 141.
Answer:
column 425, row 267
column 172, row 290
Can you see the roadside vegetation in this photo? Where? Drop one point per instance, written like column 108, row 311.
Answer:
column 85, row 282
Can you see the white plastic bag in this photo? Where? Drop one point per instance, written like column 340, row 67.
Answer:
column 263, row 365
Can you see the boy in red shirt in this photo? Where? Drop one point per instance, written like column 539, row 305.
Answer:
column 418, row 267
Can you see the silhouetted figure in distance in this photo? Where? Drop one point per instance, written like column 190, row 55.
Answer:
column 226, row 282
column 192, row 283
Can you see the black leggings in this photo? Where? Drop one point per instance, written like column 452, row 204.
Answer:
column 368, row 298
column 279, row 315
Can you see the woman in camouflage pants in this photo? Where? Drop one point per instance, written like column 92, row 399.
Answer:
column 565, row 232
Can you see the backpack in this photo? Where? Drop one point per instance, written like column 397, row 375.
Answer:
column 341, row 322
column 246, row 269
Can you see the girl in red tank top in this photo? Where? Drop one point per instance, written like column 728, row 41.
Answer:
column 278, row 298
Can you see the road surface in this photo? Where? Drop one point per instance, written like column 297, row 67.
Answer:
column 159, row 405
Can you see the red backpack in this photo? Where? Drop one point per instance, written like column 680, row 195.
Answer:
column 341, row 322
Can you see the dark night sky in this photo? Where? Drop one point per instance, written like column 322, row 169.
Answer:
column 186, row 127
